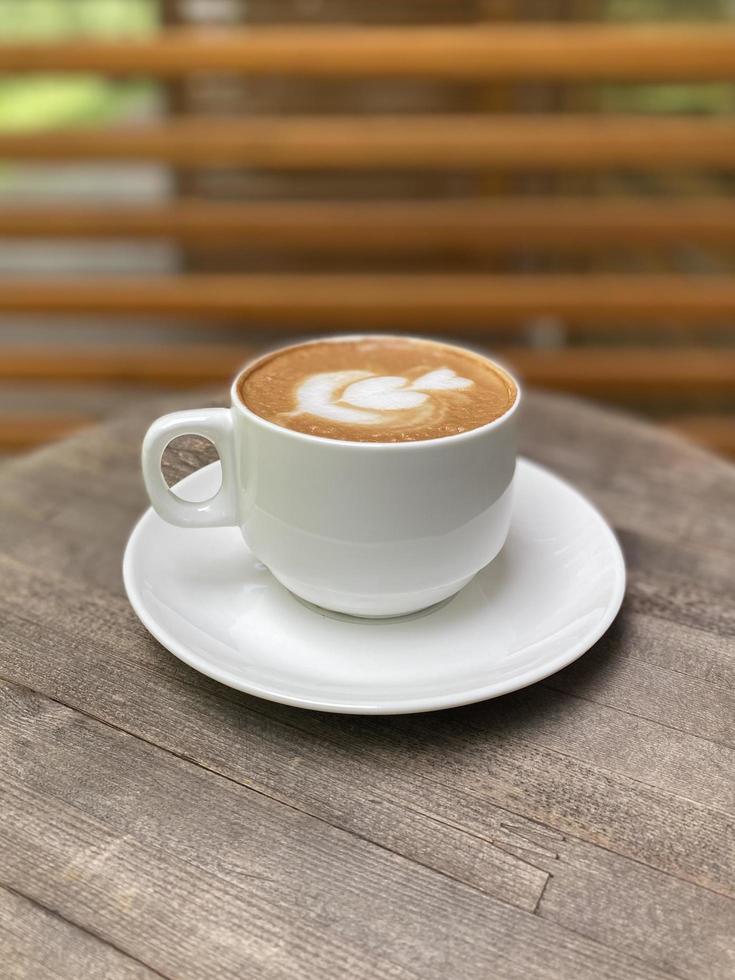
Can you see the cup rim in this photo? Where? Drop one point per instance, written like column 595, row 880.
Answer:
column 413, row 445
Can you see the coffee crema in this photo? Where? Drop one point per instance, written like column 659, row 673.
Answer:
column 377, row 389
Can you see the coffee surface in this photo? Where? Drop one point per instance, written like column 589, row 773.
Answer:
column 377, row 389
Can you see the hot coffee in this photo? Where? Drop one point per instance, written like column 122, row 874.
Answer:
column 377, row 389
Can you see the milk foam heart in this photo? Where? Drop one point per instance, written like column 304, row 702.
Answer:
column 385, row 394
column 328, row 394
column 317, row 394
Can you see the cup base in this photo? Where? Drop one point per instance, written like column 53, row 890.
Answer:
column 373, row 606
column 377, row 620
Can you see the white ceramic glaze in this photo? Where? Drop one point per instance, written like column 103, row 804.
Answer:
column 551, row 593
column 369, row 529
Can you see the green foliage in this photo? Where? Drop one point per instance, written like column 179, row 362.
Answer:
column 26, row 19
column 712, row 99
column 630, row 11
column 46, row 101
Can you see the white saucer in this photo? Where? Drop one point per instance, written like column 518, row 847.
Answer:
column 551, row 593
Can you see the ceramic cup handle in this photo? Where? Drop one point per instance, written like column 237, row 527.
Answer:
column 212, row 423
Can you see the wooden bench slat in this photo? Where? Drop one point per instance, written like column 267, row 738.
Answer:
column 27, row 431
column 447, row 303
column 612, row 372
column 175, row 366
column 715, row 431
column 514, row 51
column 389, row 225
column 398, row 142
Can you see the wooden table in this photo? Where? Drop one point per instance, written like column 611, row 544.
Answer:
column 154, row 823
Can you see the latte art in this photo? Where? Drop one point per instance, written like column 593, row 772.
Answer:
column 344, row 396
column 377, row 389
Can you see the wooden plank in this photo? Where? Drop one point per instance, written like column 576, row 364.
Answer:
column 628, row 910
column 694, row 653
column 583, row 729
column 27, row 431
column 388, row 783
column 51, row 398
column 615, row 372
column 666, row 691
column 385, row 781
column 687, row 601
column 37, row 944
column 477, row 224
column 715, row 431
column 448, row 303
column 211, row 891
column 417, row 837
column 183, row 920
column 430, row 142
column 502, row 52
column 175, row 366
column 621, row 372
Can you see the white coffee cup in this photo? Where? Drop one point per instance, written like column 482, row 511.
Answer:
column 366, row 528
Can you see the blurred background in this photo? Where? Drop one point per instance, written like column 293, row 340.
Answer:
column 183, row 182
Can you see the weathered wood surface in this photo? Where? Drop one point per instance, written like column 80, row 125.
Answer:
column 155, row 823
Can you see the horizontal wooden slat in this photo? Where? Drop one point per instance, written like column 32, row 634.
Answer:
column 177, row 366
column 715, row 431
column 609, row 372
column 26, row 432
column 436, row 302
column 389, row 225
column 570, row 51
column 615, row 373
column 414, row 142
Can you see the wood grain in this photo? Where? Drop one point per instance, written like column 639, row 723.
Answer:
column 430, row 142
column 389, row 793
column 391, row 226
column 38, row 944
column 695, row 52
column 579, row 828
column 450, row 303
column 615, row 372
column 323, row 916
